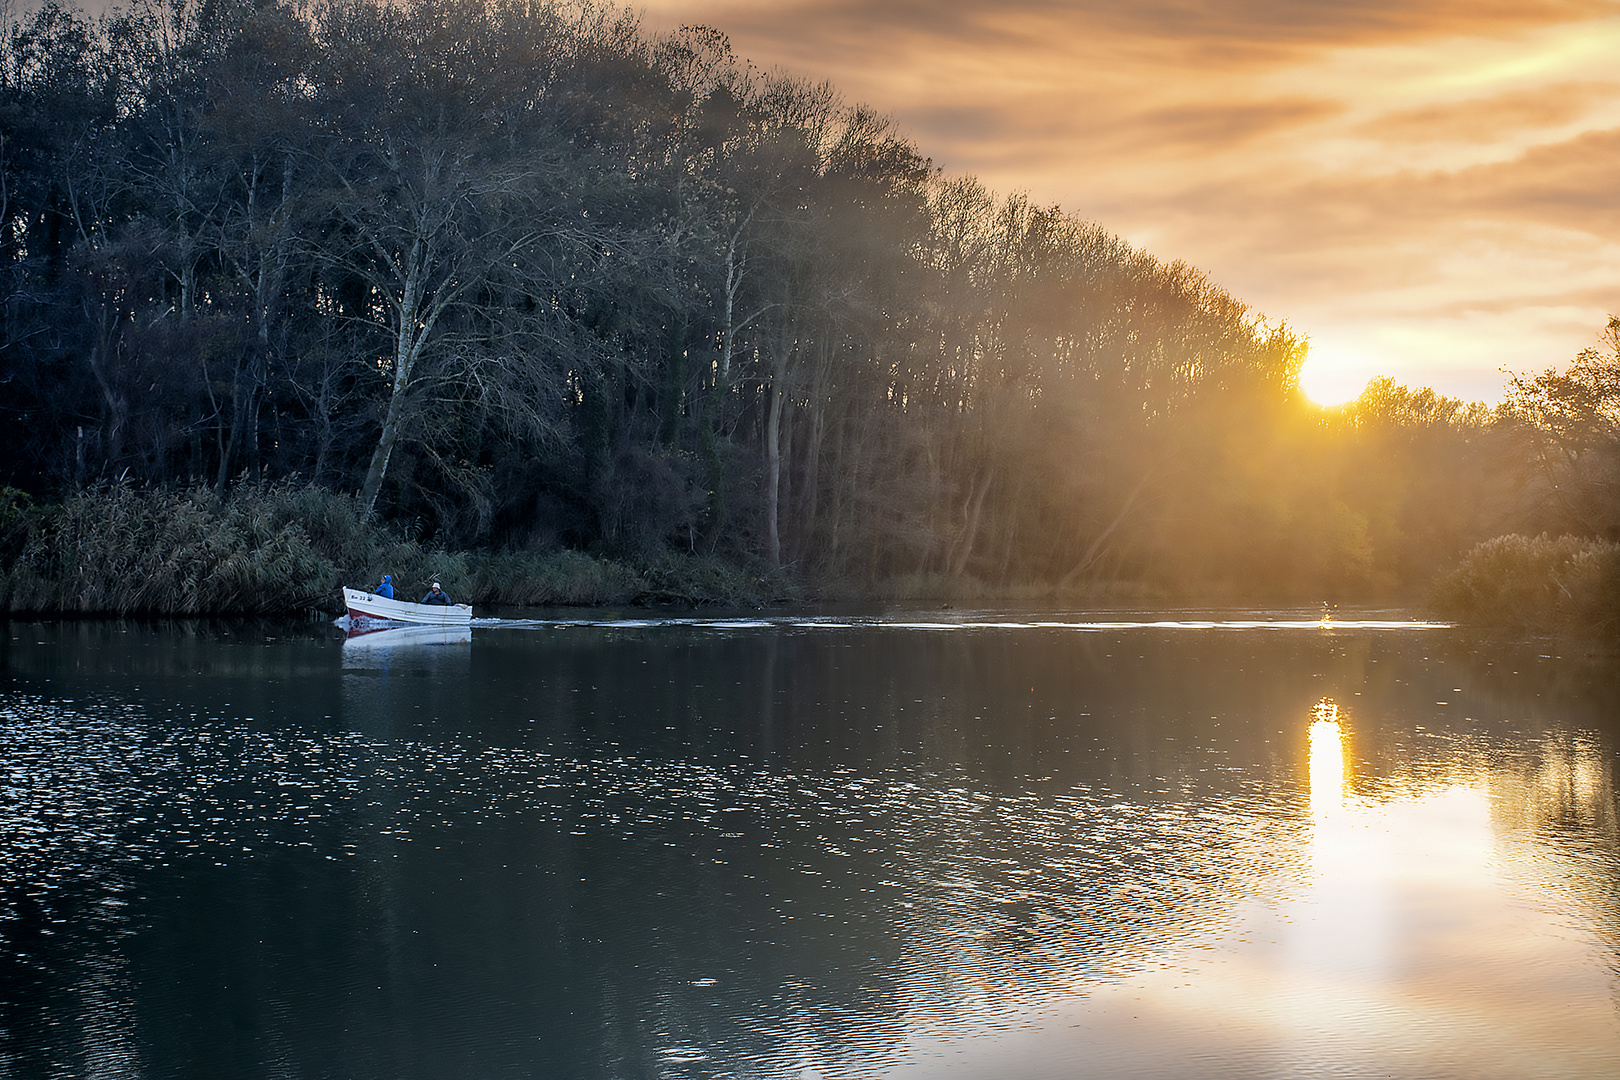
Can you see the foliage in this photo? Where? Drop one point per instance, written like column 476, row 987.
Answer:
column 1541, row 583
column 1570, row 422
column 520, row 274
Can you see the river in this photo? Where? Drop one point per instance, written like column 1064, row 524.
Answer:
column 907, row 844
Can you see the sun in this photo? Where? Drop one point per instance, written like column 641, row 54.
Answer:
column 1333, row 375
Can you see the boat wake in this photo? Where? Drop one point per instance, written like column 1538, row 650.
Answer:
column 1078, row 624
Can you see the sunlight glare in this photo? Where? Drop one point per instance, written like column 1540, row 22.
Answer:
column 1333, row 375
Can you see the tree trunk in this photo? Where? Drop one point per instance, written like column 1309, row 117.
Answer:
column 392, row 422
column 970, row 530
column 412, row 332
column 1096, row 549
column 773, row 459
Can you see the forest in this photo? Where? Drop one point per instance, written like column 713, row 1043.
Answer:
column 523, row 285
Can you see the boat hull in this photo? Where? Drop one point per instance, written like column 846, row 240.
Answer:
column 364, row 605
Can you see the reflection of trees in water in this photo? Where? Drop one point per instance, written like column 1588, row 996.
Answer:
column 1538, row 728
column 1560, row 790
column 1565, row 788
column 1534, row 729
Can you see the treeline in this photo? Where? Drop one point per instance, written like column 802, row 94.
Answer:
column 522, row 278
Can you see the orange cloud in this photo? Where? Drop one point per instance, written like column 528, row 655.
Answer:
column 1227, row 125
column 1334, row 23
column 1338, row 24
column 1574, row 184
column 1487, row 118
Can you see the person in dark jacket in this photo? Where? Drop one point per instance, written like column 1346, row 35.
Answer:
column 435, row 596
column 386, row 589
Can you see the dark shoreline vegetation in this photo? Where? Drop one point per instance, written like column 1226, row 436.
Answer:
column 524, row 299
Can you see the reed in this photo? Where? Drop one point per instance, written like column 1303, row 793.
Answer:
column 276, row 549
column 113, row 549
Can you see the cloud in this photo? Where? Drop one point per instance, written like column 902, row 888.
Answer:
column 1010, row 135
column 1574, row 184
column 1227, row 125
column 1339, row 23
column 1245, row 23
column 1545, row 299
column 1485, row 119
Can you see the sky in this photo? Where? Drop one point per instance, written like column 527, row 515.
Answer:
column 1429, row 190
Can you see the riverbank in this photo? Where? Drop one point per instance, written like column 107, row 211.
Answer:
column 277, row 550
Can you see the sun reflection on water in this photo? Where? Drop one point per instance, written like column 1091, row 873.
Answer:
column 1326, row 759
column 1341, row 936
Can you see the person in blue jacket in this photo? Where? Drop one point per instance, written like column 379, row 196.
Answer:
column 435, row 596
column 385, row 590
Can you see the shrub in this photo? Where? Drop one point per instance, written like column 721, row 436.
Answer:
column 1539, row 583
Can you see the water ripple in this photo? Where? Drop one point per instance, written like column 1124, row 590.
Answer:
column 944, row 898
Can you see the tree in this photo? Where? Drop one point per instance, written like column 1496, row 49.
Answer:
column 426, row 201
column 1572, row 421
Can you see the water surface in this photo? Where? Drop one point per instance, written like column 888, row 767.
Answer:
column 952, row 844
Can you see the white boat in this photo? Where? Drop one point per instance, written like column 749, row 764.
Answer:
column 364, row 605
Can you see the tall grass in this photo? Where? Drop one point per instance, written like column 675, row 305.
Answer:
column 116, row 550
column 281, row 548
column 1544, row 583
